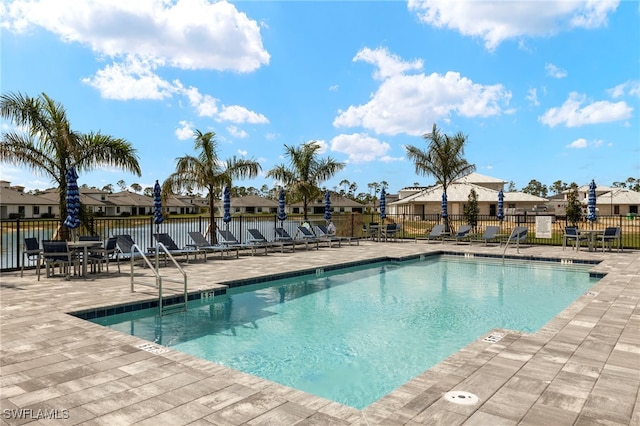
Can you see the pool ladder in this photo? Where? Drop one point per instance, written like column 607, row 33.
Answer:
column 163, row 309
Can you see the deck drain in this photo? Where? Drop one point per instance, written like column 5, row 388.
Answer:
column 154, row 349
column 461, row 397
column 493, row 338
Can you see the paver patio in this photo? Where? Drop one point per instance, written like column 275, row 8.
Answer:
column 582, row 368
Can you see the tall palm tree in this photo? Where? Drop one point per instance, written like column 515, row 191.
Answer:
column 208, row 172
column 44, row 142
column 306, row 172
column 444, row 158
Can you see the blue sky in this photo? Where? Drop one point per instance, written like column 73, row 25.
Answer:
column 545, row 90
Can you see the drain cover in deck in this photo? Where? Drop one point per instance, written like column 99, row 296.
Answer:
column 461, row 397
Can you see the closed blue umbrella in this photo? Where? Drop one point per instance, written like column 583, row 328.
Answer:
column 157, row 206
column 282, row 215
column 444, row 205
column 500, row 214
column 383, row 204
column 591, row 202
column 226, row 204
column 73, row 201
column 327, row 206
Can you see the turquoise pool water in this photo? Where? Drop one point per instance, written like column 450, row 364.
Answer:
column 355, row 335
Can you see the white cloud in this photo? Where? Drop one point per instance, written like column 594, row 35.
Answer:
column 186, row 34
column 578, row 143
column 334, row 88
column 185, row 131
column 237, row 133
column 497, row 21
column 131, row 79
column 323, row 146
column 572, row 114
column 411, row 103
column 582, row 143
column 360, row 147
column 532, row 97
column 205, row 105
column 243, row 152
column 631, row 87
column 387, row 65
column 239, row 114
column 555, row 71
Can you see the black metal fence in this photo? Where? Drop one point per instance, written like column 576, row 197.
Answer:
column 142, row 228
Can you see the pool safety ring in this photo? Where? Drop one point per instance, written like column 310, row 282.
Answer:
column 461, row 397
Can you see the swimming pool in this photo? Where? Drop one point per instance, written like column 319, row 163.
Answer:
column 354, row 335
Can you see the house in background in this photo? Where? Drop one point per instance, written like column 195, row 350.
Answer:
column 339, row 204
column 15, row 203
column 420, row 202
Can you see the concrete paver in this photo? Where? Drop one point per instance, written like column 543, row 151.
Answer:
column 583, row 367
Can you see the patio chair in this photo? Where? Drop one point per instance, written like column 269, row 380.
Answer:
column 437, row 232
column 461, row 234
column 369, row 232
column 173, row 249
column 490, row 235
column 228, row 239
column 571, row 233
column 202, row 244
column 256, row 237
column 31, row 253
column 391, row 231
column 323, row 232
column 105, row 254
column 610, row 235
column 57, row 253
column 283, row 236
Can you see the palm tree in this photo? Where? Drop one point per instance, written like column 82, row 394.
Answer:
column 49, row 146
column 443, row 160
column 208, row 172
column 306, row 172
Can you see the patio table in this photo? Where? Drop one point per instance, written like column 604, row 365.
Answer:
column 591, row 234
column 85, row 246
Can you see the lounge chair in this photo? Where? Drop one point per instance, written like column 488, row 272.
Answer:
column 228, row 239
column 256, row 237
column 490, row 235
column 308, row 235
column 461, row 234
column 323, row 232
column 203, row 245
column 518, row 234
column 283, row 236
column 31, row 253
column 437, row 232
column 571, row 233
column 126, row 244
column 610, row 235
column 172, row 248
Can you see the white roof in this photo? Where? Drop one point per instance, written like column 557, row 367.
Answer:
column 459, row 193
column 478, row 178
column 619, row 196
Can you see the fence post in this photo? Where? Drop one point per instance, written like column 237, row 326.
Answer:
column 17, row 242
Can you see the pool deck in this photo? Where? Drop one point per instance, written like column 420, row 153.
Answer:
column 582, row 368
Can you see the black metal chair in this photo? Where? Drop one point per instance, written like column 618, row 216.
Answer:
column 571, row 233
column 106, row 254
column 31, row 253
column 57, row 253
column 610, row 235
